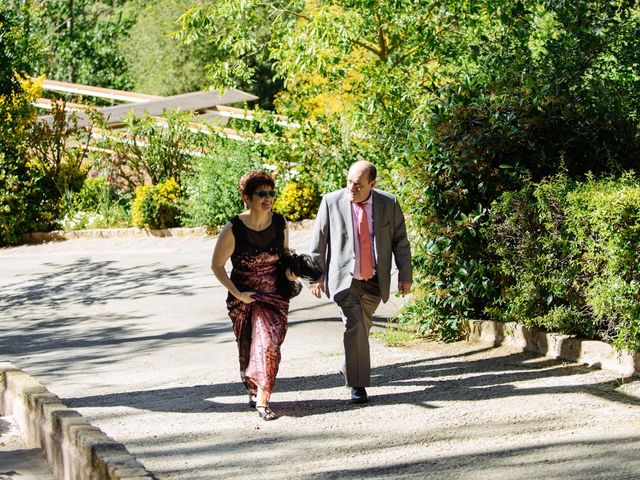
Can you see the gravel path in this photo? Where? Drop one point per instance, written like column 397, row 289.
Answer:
column 134, row 334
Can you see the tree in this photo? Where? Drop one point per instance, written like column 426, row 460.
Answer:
column 457, row 101
column 19, row 194
column 159, row 63
column 83, row 38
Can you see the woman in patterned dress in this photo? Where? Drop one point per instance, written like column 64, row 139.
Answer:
column 255, row 240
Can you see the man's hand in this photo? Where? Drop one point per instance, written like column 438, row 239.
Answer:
column 404, row 287
column 317, row 289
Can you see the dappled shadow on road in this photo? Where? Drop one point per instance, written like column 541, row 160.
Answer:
column 85, row 282
column 104, row 331
column 611, row 458
column 426, row 382
column 233, row 455
column 79, row 312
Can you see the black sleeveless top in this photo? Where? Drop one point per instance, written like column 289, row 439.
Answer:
column 256, row 256
column 267, row 239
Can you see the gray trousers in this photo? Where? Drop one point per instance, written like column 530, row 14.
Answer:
column 358, row 305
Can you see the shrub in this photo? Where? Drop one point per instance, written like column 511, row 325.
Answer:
column 211, row 189
column 96, row 205
column 156, row 206
column 148, row 151
column 567, row 258
column 550, row 92
column 297, row 201
column 20, row 192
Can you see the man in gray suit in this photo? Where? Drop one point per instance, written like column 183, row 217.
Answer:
column 356, row 231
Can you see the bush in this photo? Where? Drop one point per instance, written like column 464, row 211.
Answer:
column 20, row 192
column 211, row 189
column 297, row 201
column 550, row 92
column 567, row 258
column 96, row 205
column 156, row 206
column 148, row 151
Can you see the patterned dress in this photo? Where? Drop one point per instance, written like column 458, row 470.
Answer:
column 260, row 326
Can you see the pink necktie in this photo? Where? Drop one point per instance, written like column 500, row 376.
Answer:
column 366, row 258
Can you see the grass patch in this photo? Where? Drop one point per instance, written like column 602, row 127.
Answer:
column 395, row 335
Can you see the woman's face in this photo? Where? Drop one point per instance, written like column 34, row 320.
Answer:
column 262, row 198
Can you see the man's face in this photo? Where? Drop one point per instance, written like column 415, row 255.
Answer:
column 359, row 185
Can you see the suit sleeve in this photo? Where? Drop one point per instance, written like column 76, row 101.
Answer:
column 400, row 245
column 320, row 238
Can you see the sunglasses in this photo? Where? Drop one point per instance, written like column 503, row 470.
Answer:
column 265, row 193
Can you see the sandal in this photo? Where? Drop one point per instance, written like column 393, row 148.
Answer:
column 252, row 400
column 266, row 413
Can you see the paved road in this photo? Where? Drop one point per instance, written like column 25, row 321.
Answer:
column 134, row 334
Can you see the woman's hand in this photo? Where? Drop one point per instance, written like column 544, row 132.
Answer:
column 246, row 297
column 291, row 276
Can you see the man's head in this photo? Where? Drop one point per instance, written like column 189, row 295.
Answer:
column 360, row 180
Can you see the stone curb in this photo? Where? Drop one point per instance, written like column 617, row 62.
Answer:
column 553, row 345
column 74, row 449
column 59, row 235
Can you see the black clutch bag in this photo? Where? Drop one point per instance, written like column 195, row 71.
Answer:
column 301, row 266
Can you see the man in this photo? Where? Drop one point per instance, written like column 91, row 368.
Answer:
column 356, row 231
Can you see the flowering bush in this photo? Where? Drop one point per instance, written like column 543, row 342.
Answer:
column 156, row 206
column 297, row 201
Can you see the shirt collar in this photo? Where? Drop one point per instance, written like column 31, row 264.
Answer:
column 368, row 201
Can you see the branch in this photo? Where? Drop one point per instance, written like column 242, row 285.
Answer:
column 368, row 47
column 281, row 11
column 382, row 41
column 419, row 26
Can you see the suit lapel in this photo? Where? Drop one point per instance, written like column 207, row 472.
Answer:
column 345, row 209
column 378, row 212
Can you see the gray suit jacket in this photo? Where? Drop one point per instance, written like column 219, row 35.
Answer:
column 333, row 241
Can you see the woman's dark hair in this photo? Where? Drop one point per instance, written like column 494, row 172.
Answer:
column 250, row 182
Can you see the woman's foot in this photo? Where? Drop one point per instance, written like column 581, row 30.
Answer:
column 252, row 401
column 266, row 413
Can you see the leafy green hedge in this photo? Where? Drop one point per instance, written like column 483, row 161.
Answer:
column 211, row 188
column 567, row 258
column 549, row 89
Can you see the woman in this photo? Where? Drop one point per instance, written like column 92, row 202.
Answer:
column 255, row 240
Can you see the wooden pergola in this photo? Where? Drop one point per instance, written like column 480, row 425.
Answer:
column 205, row 106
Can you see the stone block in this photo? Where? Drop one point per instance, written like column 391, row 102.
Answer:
column 484, row 331
column 554, row 345
column 61, row 419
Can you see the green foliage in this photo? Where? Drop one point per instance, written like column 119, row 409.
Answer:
column 535, row 101
column 567, row 258
column 21, row 195
column 61, row 154
column 156, row 206
column 211, row 188
column 149, row 151
column 83, row 42
column 317, row 153
column 297, row 201
column 183, row 67
column 96, row 205
column 235, row 34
